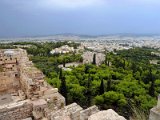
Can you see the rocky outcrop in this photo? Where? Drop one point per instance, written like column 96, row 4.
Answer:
column 84, row 114
column 106, row 115
column 155, row 111
column 74, row 112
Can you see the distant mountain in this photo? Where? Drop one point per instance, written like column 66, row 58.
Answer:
column 71, row 36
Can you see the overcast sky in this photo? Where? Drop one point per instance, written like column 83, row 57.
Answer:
column 92, row 17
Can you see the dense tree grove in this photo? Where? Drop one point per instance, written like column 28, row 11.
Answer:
column 125, row 79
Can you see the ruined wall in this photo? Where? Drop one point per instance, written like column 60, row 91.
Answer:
column 88, row 57
column 16, row 111
column 9, row 81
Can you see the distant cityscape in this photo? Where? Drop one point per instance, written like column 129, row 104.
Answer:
column 39, row 74
column 97, row 43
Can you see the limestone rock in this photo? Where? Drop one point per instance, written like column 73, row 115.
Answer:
column 28, row 118
column 106, row 115
column 155, row 111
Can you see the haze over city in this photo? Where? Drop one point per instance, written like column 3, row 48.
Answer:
column 20, row 18
column 79, row 60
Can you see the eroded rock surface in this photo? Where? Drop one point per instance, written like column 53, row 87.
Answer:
column 106, row 115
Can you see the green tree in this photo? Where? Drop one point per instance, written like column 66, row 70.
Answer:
column 109, row 84
column 64, row 62
column 87, row 67
column 88, row 91
column 101, row 88
column 63, row 89
column 76, row 94
column 111, row 99
column 60, row 74
column 152, row 87
column 94, row 59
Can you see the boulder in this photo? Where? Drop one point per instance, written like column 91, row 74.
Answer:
column 106, row 115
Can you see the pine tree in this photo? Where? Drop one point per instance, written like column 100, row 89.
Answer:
column 134, row 67
column 63, row 89
column 152, row 87
column 88, row 92
column 124, row 63
column 140, row 73
column 101, row 90
column 60, row 74
column 109, row 84
column 86, row 69
column 81, row 60
column 64, row 63
column 94, row 59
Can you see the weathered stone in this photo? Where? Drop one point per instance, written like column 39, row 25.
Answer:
column 155, row 111
column 106, row 115
column 154, row 114
column 17, row 111
column 27, row 118
column 84, row 114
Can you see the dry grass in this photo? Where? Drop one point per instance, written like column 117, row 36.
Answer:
column 138, row 114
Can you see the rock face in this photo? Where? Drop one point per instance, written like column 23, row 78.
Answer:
column 155, row 111
column 74, row 112
column 106, row 115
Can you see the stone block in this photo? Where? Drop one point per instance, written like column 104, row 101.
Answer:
column 39, row 103
column 51, row 91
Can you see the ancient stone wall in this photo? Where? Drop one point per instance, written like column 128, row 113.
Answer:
column 21, row 81
column 16, row 111
column 88, row 57
column 9, row 81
